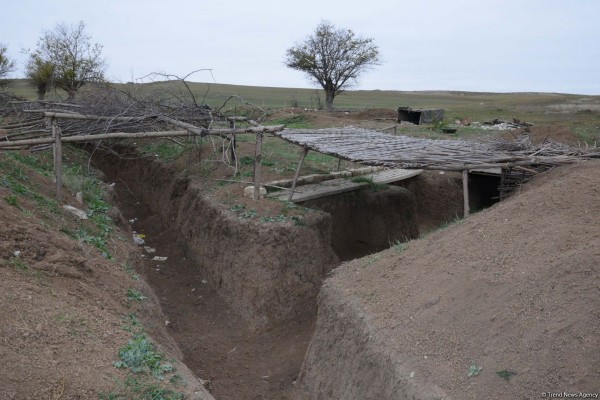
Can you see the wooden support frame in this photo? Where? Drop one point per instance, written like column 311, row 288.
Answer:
column 465, row 184
column 257, row 161
column 304, row 153
column 56, row 135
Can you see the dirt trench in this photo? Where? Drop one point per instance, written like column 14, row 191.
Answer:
column 240, row 297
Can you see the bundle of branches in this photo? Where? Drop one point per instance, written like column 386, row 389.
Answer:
column 523, row 146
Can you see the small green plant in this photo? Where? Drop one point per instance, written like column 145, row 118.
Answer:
column 506, row 374
column 18, row 263
column 273, row 218
column 248, row 214
column 474, row 370
column 246, row 160
column 298, row 221
column 238, row 208
column 12, row 200
column 135, row 295
column 131, row 272
column 139, row 355
column 399, row 246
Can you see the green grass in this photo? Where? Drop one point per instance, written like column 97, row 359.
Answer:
column 506, row 374
column 150, row 376
column 165, row 150
column 298, row 121
column 135, row 295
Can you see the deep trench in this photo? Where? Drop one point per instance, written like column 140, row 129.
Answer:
column 239, row 361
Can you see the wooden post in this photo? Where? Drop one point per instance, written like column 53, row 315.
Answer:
column 465, row 182
column 339, row 164
column 57, row 159
column 297, row 173
column 257, row 161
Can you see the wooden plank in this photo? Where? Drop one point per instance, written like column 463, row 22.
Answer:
column 323, row 189
column 393, row 175
column 57, row 159
column 257, row 161
column 295, row 181
column 465, row 183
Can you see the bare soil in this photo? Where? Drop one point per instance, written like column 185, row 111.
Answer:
column 64, row 312
column 63, row 307
column 512, row 290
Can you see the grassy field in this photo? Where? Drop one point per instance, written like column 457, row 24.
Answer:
column 580, row 113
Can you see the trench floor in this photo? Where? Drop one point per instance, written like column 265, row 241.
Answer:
column 216, row 344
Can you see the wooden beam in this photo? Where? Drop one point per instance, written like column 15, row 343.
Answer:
column 295, row 181
column 137, row 135
column 57, row 159
column 465, row 183
column 257, row 161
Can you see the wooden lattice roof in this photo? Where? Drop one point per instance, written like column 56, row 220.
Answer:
column 377, row 148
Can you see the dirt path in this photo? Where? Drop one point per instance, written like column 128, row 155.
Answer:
column 217, row 345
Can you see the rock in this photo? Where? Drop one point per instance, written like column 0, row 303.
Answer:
column 249, row 192
column 76, row 211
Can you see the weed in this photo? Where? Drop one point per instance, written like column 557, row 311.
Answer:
column 139, row 355
column 12, row 200
column 131, row 272
column 505, row 374
column 135, row 295
column 18, row 263
column 238, row 208
column 274, row 218
column 298, row 221
column 399, row 246
column 248, row 214
column 474, row 370
column 138, row 388
column 246, row 160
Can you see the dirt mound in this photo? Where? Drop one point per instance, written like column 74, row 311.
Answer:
column 66, row 309
column 510, row 295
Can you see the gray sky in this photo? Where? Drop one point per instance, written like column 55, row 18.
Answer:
column 472, row 45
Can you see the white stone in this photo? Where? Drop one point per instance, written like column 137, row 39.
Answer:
column 249, row 192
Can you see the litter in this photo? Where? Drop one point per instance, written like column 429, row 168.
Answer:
column 158, row 258
column 76, row 211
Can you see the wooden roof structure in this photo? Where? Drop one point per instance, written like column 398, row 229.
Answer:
column 377, row 148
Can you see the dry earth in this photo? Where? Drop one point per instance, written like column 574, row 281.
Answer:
column 514, row 288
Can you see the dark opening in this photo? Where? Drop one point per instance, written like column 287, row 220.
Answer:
column 484, row 190
column 405, row 114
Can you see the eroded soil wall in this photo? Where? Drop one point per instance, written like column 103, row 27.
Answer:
column 262, row 270
column 438, row 196
column 368, row 221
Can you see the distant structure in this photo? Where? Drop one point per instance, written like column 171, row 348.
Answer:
column 419, row 116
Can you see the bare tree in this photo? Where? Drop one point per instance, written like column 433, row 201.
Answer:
column 6, row 64
column 75, row 59
column 41, row 74
column 333, row 58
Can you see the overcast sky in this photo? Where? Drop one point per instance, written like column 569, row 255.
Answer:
column 471, row 45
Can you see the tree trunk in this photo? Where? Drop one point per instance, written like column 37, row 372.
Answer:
column 71, row 95
column 329, row 95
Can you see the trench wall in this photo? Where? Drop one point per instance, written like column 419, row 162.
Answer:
column 347, row 360
column 368, row 221
column 264, row 271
